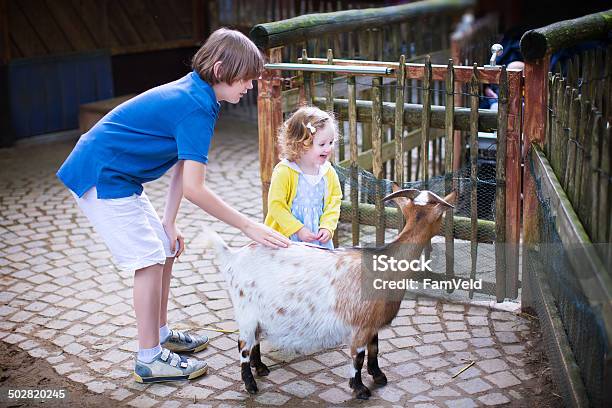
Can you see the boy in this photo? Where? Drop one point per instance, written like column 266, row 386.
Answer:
column 138, row 141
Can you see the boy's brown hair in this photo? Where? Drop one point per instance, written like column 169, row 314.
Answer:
column 240, row 58
column 296, row 135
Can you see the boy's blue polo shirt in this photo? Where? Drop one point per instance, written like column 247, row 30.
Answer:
column 142, row 138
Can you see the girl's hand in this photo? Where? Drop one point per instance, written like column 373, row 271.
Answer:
column 174, row 234
column 305, row 235
column 265, row 235
column 324, row 235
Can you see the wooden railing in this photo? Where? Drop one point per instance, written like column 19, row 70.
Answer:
column 567, row 174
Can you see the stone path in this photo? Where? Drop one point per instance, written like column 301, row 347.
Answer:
column 62, row 300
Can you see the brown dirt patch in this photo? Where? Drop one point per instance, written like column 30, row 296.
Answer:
column 542, row 392
column 19, row 370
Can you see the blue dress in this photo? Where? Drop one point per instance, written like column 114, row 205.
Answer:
column 307, row 206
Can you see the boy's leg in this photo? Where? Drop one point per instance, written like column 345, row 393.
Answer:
column 165, row 291
column 148, row 283
column 136, row 245
column 177, row 341
column 174, row 340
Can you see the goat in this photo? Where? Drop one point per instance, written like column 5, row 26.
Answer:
column 305, row 298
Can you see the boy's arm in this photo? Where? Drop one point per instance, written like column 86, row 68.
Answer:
column 175, row 194
column 331, row 212
column 173, row 202
column 278, row 207
column 197, row 192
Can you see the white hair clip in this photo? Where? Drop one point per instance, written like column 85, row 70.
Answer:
column 312, row 129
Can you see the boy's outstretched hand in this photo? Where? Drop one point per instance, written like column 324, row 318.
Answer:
column 265, row 235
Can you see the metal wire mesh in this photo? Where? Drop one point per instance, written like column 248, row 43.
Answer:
column 370, row 189
column 549, row 268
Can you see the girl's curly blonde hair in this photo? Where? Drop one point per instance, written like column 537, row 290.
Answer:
column 296, row 135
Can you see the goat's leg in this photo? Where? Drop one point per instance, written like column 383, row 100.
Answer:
column 379, row 377
column 261, row 368
column 244, row 348
column 358, row 355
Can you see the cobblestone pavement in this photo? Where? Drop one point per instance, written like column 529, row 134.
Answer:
column 62, row 300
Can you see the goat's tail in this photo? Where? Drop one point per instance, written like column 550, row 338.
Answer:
column 210, row 239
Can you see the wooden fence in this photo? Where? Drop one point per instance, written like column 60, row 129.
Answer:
column 392, row 151
column 405, row 133
column 567, row 185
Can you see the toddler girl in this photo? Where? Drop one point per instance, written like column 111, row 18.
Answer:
column 304, row 197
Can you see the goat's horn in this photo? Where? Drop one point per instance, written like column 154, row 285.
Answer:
column 433, row 198
column 410, row 193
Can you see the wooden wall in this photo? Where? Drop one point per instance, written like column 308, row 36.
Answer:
column 48, row 27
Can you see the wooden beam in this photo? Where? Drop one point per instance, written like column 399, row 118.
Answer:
column 535, row 44
column 501, row 269
column 487, row 120
column 302, row 28
column 536, row 92
column 461, row 225
column 377, row 161
column 513, row 181
column 270, row 117
column 417, row 71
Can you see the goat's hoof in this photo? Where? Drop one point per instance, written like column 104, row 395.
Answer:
column 251, row 387
column 262, row 370
column 363, row 393
column 380, row 379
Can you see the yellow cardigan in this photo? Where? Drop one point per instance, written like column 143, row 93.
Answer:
column 283, row 189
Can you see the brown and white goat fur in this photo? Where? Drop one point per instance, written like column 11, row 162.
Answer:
column 305, row 298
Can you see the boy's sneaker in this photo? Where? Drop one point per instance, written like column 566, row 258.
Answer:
column 168, row 366
column 182, row 342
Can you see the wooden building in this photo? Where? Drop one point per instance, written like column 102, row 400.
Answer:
column 56, row 55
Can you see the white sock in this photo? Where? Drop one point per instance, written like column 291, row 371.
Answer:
column 164, row 333
column 148, row 355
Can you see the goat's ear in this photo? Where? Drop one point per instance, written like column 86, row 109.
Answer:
column 401, row 197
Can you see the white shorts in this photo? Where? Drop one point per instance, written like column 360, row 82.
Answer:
column 130, row 227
